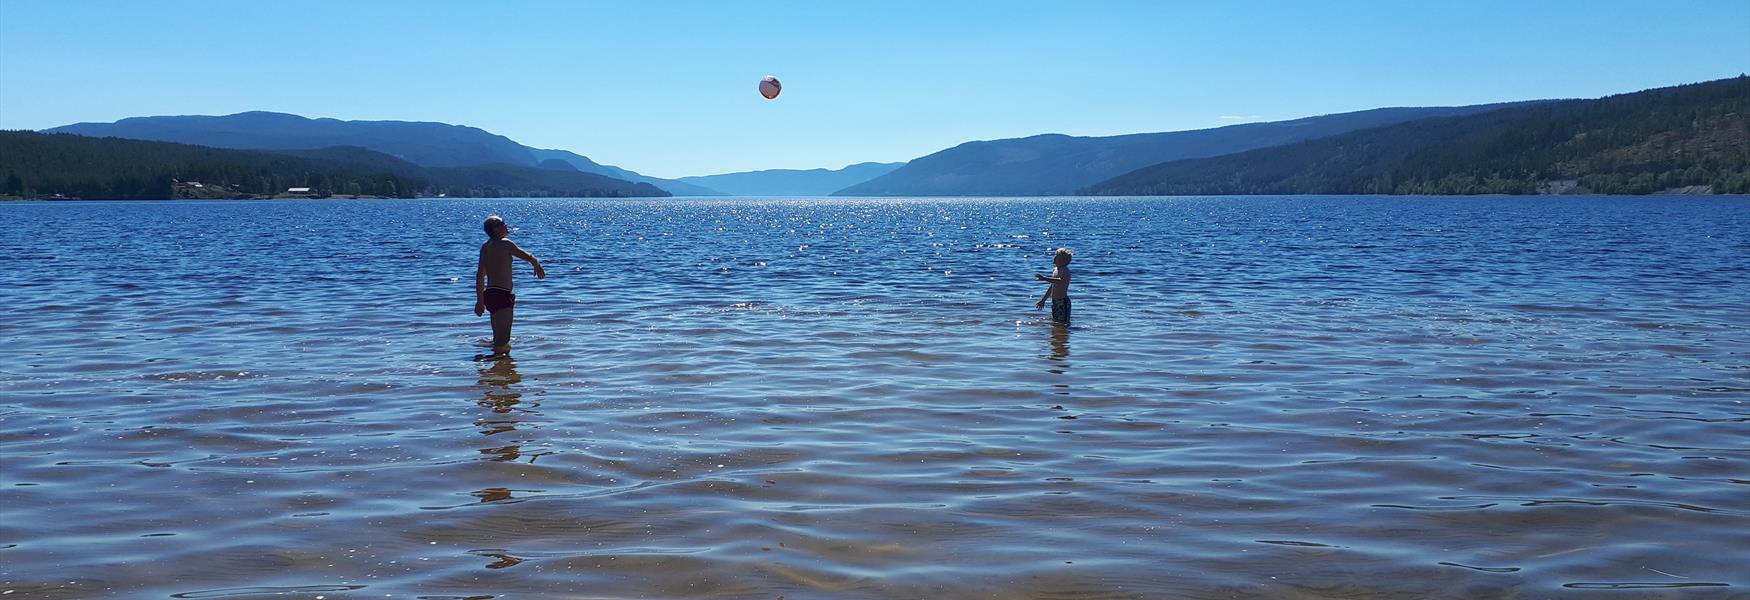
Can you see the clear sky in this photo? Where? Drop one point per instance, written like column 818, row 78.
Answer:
column 668, row 88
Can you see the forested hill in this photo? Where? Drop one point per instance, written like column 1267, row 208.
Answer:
column 422, row 143
column 1643, row 142
column 38, row 165
column 1054, row 164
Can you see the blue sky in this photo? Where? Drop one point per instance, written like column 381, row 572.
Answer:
column 669, row 88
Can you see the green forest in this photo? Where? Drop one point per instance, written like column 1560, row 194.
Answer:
column 38, row 165
column 1638, row 143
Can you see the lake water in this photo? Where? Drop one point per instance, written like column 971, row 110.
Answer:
column 1314, row 397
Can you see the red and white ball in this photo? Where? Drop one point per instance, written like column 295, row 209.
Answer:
column 769, row 87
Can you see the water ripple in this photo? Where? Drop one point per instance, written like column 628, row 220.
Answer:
column 1338, row 397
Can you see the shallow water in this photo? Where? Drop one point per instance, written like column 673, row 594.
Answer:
column 1329, row 397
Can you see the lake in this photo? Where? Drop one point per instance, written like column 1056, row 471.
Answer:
column 1260, row 397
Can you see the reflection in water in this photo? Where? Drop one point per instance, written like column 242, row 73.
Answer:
column 504, row 559
column 1059, row 356
column 1059, row 346
column 497, row 374
column 493, row 494
column 503, row 453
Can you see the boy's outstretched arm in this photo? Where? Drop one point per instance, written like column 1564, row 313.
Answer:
column 1051, row 280
column 518, row 252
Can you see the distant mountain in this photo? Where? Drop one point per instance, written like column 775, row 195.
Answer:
column 583, row 163
column 38, row 165
column 1692, row 136
column 793, row 182
column 1054, row 164
column 422, row 143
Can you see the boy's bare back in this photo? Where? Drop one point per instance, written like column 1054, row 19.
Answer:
column 495, row 261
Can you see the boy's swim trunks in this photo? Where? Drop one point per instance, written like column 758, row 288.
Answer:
column 1060, row 310
column 500, row 298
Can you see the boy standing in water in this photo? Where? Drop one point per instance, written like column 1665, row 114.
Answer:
column 1059, row 290
column 493, row 289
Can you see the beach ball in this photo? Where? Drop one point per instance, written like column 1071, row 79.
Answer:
column 769, row 87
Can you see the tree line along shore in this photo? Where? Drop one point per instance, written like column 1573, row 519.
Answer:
column 50, row 166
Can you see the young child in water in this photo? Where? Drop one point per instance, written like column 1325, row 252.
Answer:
column 493, row 289
column 1059, row 290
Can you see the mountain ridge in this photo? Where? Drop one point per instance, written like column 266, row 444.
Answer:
column 585, row 164
column 1058, row 164
column 424, row 143
column 49, row 165
column 1689, row 137
column 793, row 182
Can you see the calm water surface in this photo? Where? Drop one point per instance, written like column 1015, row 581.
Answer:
column 1260, row 398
